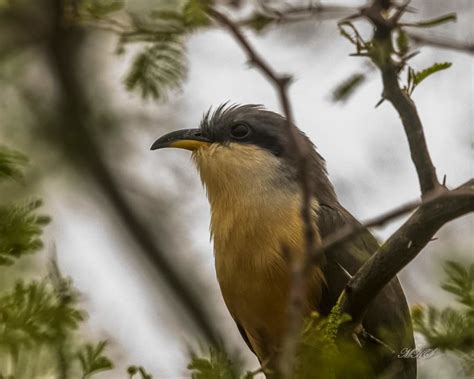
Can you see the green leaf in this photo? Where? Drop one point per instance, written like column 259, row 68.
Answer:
column 422, row 75
column 216, row 366
column 20, row 230
column 195, row 15
column 144, row 374
column 451, row 17
column 11, row 164
column 34, row 313
column 93, row 360
column 403, row 44
column 158, row 69
column 101, row 8
column 415, row 78
column 460, row 282
column 344, row 90
column 259, row 22
column 166, row 15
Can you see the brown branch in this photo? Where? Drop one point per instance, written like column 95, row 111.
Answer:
column 381, row 54
column 443, row 43
column 402, row 247
column 301, row 267
column 301, row 13
column 413, row 129
column 440, row 205
column 349, row 232
column 74, row 135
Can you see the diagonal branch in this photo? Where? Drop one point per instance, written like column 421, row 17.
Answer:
column 381, row 53
column 408, row 241
column 443, row 43
column 349, row 232
column 413, row 129
column 402, row 247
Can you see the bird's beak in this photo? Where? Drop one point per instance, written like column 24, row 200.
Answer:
column 189, row 139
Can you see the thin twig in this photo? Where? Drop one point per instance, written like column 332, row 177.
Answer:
column 349, row 232
column 294, row 14
column 381, row 54
column 443, row 43
column 302, row 153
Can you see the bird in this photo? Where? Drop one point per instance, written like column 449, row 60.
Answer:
column 250, row 175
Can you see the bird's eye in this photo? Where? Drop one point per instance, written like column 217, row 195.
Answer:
column 240, row 131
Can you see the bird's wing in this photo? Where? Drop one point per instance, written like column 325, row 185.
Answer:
column 244, row 335
column 389, row 310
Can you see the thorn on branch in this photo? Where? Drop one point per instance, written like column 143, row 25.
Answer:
column 380, row 102
column 371, row 338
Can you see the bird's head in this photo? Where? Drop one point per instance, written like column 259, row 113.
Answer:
column 243, row 148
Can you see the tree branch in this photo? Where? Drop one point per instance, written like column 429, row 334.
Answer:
column 402, row 247
column 349, row 232
column 294, row 14
column 381, row 54
column 443, row 43
column 407, row 242
column 413, row 129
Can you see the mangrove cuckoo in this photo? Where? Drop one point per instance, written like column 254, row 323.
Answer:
column 251, row 179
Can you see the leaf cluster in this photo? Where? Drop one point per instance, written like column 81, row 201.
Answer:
column 32, row 313
column 20, row 224
column 414, row 78
column 20, row 230
column 216, row 366
column 161, row 64
column 321, row 353
column 395, row 52
column 11, row 164
column 451, row 329
column 134, row 370
column 93, row 360
column 39, row 319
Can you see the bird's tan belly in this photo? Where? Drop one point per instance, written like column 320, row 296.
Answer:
column 257, row 300
column 255, row 278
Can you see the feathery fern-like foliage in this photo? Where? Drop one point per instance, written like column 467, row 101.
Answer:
column 32, row 313
column 451, row 329
column 320, row 354
column 11, row 164
column 216, row 366
column 20, row 230
column 161, row 65
column 20, row 224
column 39, row 319
column 93, row 360
column 158, row 69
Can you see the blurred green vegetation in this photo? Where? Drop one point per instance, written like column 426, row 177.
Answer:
column 451, row 329
column 41, row 318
